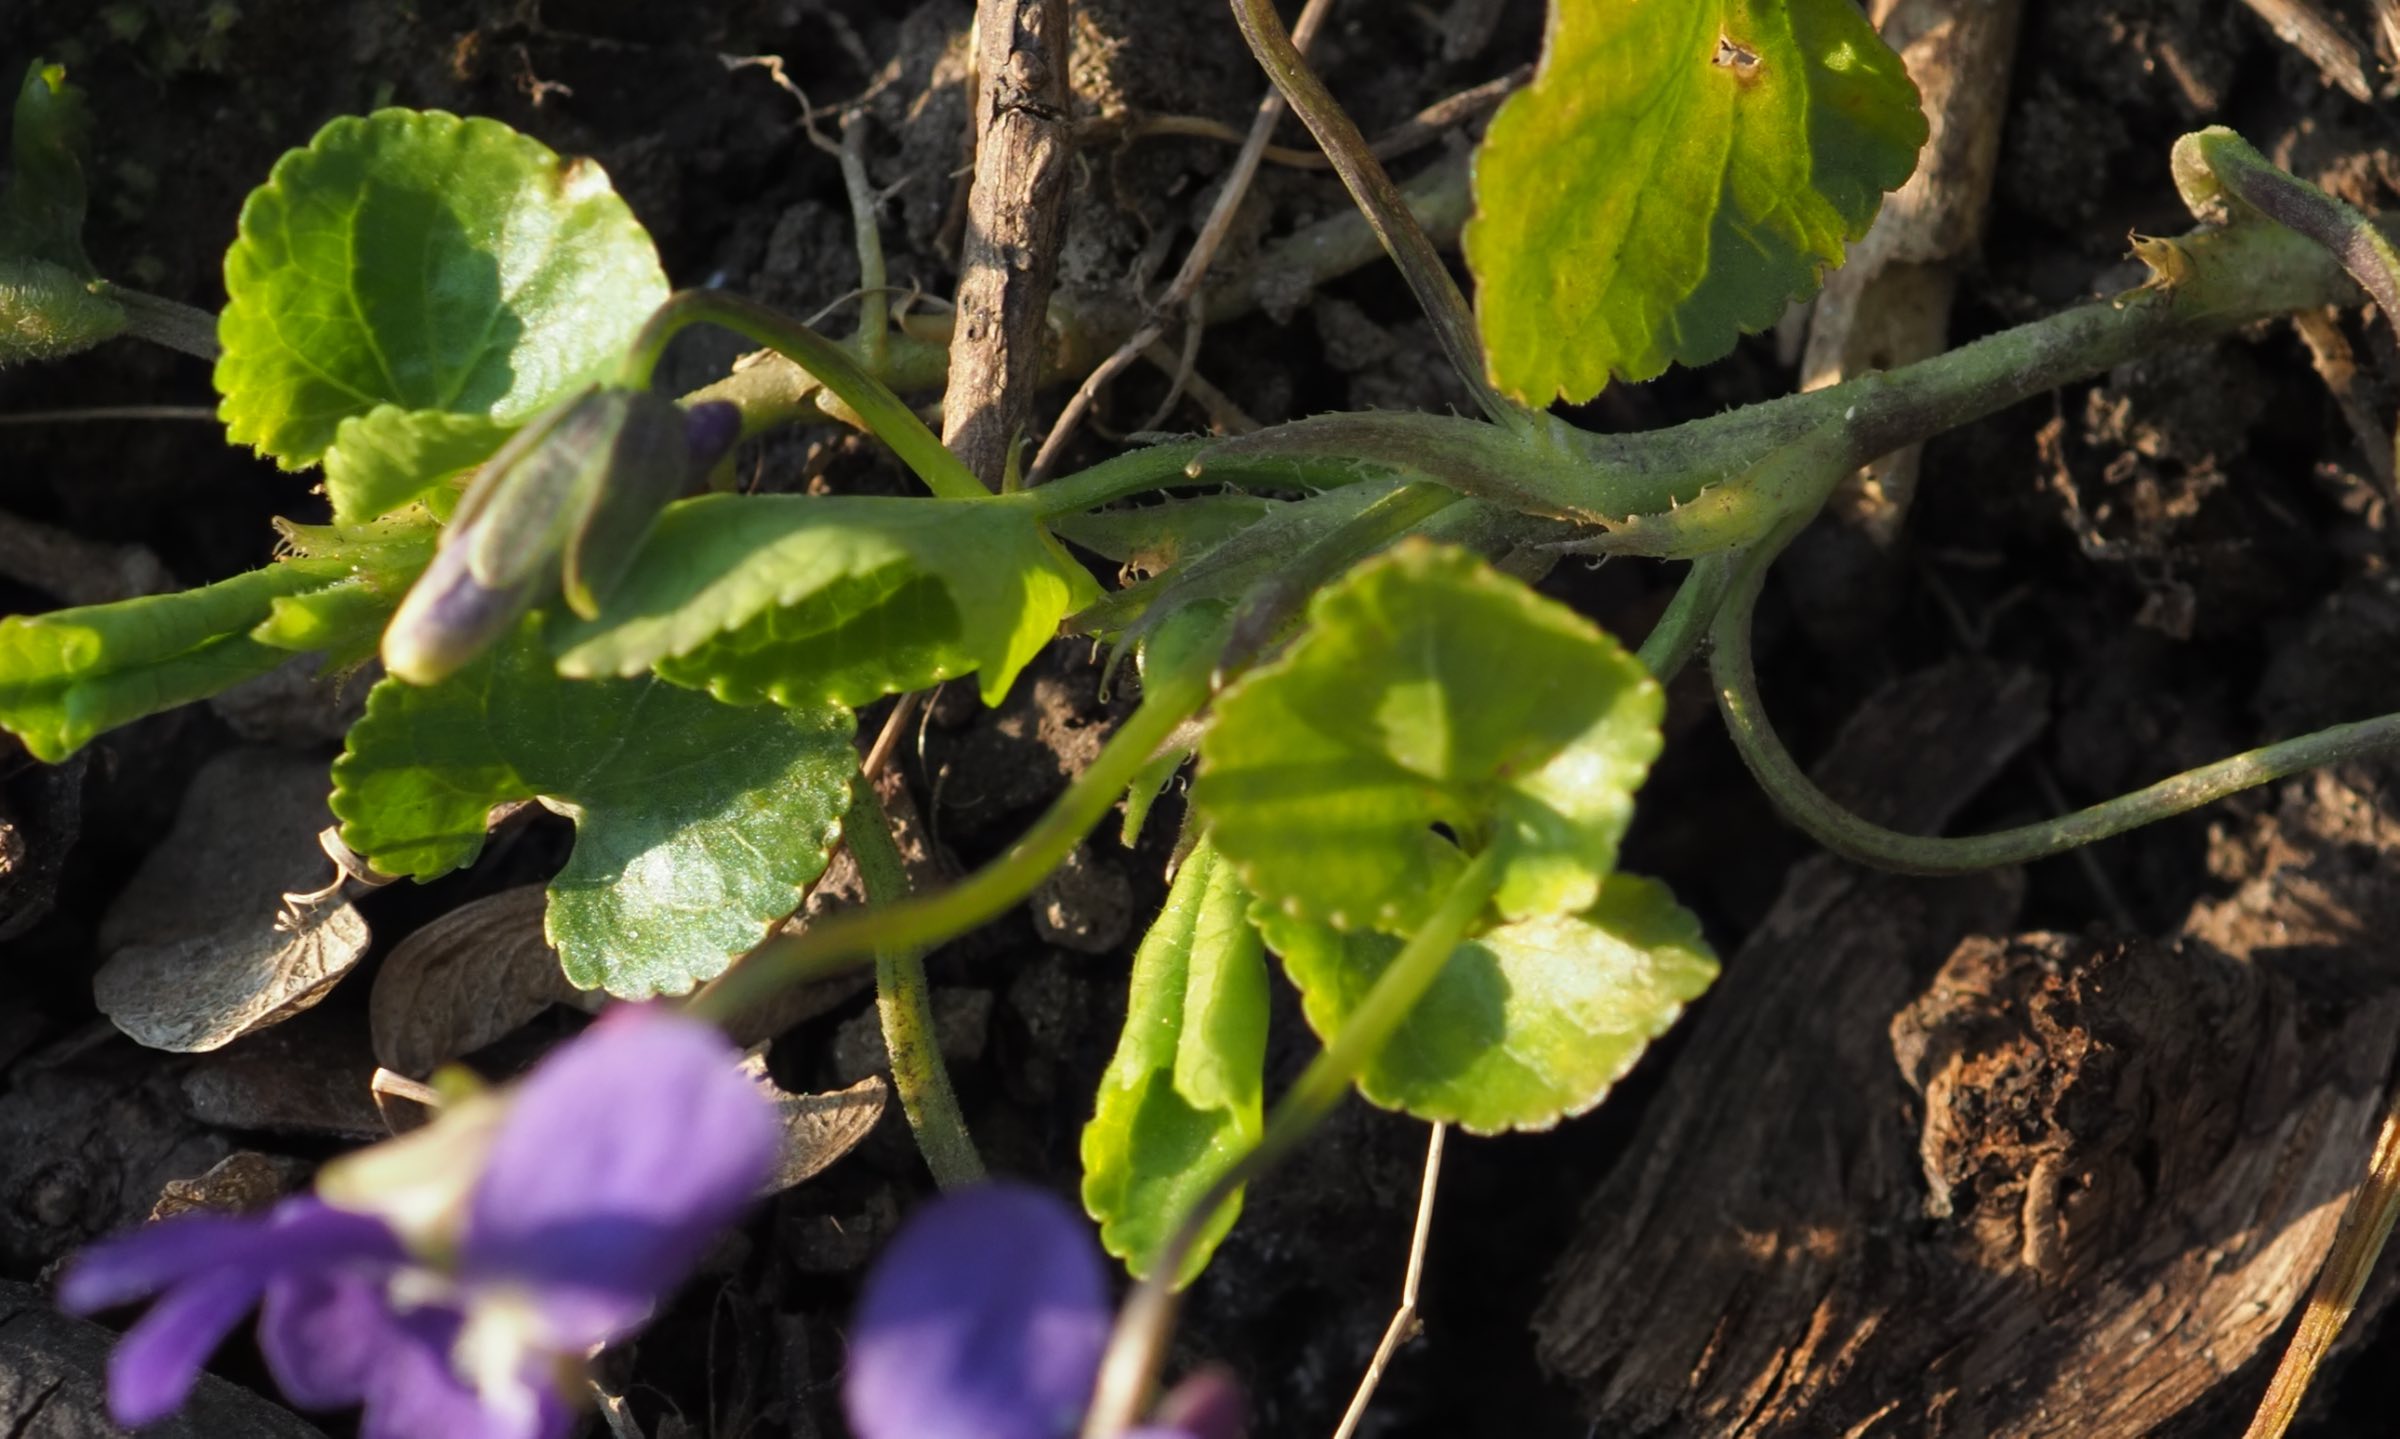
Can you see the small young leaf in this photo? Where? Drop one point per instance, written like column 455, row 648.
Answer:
column 419, row 260
column 800, row 600
column 1530, row 1022
column 1430, row 693
column 1182, row 1098
column 1676, row 173
column 697, row 826
column 389, row 456
column 41, row 209
column 68, row 675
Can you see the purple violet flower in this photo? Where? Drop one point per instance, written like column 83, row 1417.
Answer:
column 987, row 1318
column 455, row 1281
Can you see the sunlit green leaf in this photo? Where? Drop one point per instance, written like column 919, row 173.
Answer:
column 1676, row 173
column 1431, row 704
column 389, row 456
column 1529, row 1022
column 1182, row 1098
column 418, row 260
column 801, row 599
column 697, row 825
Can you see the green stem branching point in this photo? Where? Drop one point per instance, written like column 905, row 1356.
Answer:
column 842, row 941
column 1138, row 1344
column 904, row 1002
column 1849, row 834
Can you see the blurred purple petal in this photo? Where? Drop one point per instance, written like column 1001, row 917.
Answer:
column 138, row 1264
column 159, row 1358
column 620, row 1160
column 1206, row 1405
column 324, row 1335
column 418, row 1393
column 986, row 1319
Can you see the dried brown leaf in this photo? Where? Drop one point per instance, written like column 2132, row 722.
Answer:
column 201, row 947
column 470, row 977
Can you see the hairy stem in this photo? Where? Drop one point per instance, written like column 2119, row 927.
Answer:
column 904, row 1003
column 162, row 321
column 841, row 941
column 1140, row 1339
column 1677, row 636
column 1849, row 834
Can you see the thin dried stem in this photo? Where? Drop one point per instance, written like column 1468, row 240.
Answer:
column 2366, row 1224
column 1203, row 253
column 1405, row 1323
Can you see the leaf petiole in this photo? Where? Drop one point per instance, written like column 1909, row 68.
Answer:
column 1850, row 834
column 826, row 361
column 843, row 940
column 905, row 1004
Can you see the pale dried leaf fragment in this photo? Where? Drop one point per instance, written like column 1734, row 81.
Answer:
column 471, row 977
column 817, row 1128
column 200, row 949
column 205, row 992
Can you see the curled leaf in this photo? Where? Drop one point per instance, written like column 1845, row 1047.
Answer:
column 1182, row 1098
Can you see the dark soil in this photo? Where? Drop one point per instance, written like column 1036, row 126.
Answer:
column 2190, row 553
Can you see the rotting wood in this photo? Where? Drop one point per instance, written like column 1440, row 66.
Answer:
column 1008, row 260
column 2062, row 1186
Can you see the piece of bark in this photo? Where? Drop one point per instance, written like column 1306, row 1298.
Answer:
column 53, row 1384
column 1889, row 303
column 2317, row 35
column 1008, row 260
column 1700, row 1259
column 2070, row 1187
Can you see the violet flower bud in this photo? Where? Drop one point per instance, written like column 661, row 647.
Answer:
column 450, row 1305
column 566, row 503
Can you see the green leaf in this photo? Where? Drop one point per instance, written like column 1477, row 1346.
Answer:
column 1676, row 173
column 41, row 209
column 1528, row 1023
column 697, row 826
column 414, row 259
column 389, row 456
column 1432, row 703
column 69, row 675
column 1181, row 1100
column 801, row 600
